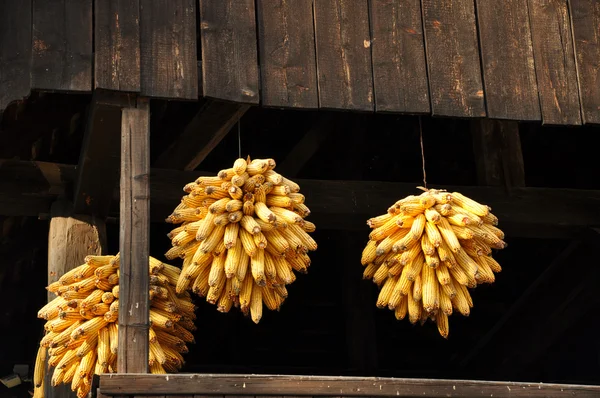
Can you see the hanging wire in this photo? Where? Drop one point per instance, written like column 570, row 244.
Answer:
column 239, row 139
column 422, row 152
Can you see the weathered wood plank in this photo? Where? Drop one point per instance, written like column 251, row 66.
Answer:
column 585, row 16
column 62, row 45
column 288, row 63
column 399, row 67
column 497, row 147
column 121, row 384
column 15, row 51
column 507, row 58
column 117, row 45
column 343, row 44
column 229, row 56
column 555, row 61
column 28, row 189
column 134, row 239
column 99, row 160
column 453, row 58
column 69, row 241
column 169, row 67
column 202, row 134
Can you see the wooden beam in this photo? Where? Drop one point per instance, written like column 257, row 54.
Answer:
column 29, row 188
column 211, row 124
column 497, row 148
column 70, row 239
column 134, row 239
column 223, row 384
column 98, row 169
column 521, row 303
column 306, row 148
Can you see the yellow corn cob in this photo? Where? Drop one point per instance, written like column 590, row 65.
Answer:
column 206, row 227
column 235, row 217
column 58, row 325
column 402, row 308
column 246, row 293
column 431, row 300
column 449, row 289
column 233, row 259
column 490, row 219
column 493, row 264
column 107, row 297
column 226, row 301
column 89, row 344
column 260, row 240
column 443, row 274
column 379, row 221
column 286, row 215
column 448, row 235
column 217, row 270
column 70, row 372
column 417, row 288
column 270, row 269
column 371, row 269
column 406, row 240
column 51, row 309
column 432, row 261
column 264, row 226
column 386, row 292
column 414, row 268
column 306, row 239
column 432, row 215
column 278, row 201
column 239, row 166
column 103, row 348
column 97, row 261
column 113, row 335
column 381, row 274
column 263, row 212
column 256, row 304
column 469, row 204
column 466, row 263
column 277, row 241
column 433, row 234
column 459, row 220
column 385, row 230
column 243, row 265
column 414, row 308
column 459, row 301
column 40, row 367
column 214, row 292
column 418, row 226
column 274, row 177
column 484, row 272
column 269, row 298
column 441, row 320
column 211, row 242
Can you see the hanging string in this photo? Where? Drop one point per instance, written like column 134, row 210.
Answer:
column 422, row 152
column 239, row 139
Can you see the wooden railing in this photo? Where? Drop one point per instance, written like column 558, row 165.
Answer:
column 197, row 385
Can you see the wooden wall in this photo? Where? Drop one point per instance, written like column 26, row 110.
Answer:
column 515, row 59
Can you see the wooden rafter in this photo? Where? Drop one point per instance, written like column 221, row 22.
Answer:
column 28, row 188
column 211, row 124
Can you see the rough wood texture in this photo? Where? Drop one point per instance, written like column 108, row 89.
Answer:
column 69, row 241
column 453, row 58
column 555, row 61
column 168, row 49
column 497, row 147
column 343, row 45
column 229, row 59
column 99, row 160
column 120, row 384
column 399, row 67
column 134, row 239
column 585, row 15
column 211, row 124
column 287, row 53
column 523, row 212
column 117, row 45
column 62, row 45
column 15, row 51
column 507, row 58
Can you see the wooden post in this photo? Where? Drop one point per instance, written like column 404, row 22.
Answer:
column 70, row 239
column 134, row 234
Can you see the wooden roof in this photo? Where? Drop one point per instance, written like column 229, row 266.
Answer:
column 510, row 59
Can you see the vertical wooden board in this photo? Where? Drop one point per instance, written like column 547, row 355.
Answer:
column 507, row 58
column 15, row 51
column 134, row 239
column 229, row 53
column 286, row 43
column 169, row 65
column 343, row 45
column 117, row 45
column 555, row 61
column 585, row 16
column 453, row 58
column 62, row 45
column 399, row 68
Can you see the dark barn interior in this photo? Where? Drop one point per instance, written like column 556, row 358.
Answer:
column 536, row 323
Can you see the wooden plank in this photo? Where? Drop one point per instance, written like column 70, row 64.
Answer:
column 62, row 45
column 15, row 51
column 343, row 45
column 497, row 147
column 203, row 133
column 26, row 191
column 134, row 239
column 70, row 239
column 308, row 145
column 287, row 53
column 453, row 58
column 229, row 59
column 168, row 49
column 585, row 16
column 123, row 384
column 555, row 61
column 99, row 160
column 507, row 59
column 117, row 45
column 398, row 49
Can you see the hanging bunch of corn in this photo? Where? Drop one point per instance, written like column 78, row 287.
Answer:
column 242, row 235
column 427, row 250
column 81, row 330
